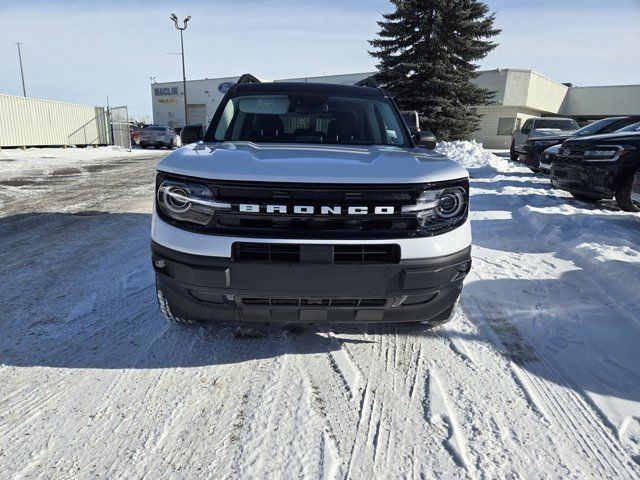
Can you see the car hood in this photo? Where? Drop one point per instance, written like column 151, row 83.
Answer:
column 307, row 163
column 549, row 133
column 633, row 137
column 555, row 138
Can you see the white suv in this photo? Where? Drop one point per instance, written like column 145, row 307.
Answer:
column 310, row 203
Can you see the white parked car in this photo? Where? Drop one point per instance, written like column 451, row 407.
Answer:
column 539, row 127
column 155, row 136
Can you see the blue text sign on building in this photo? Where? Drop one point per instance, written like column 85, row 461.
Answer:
column 162, row 91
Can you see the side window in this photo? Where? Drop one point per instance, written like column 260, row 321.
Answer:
column 528, row 125
column 505, row 126
column 612, row 127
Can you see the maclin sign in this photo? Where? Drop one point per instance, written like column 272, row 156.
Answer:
column 162, row 91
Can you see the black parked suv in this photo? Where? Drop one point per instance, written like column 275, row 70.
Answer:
column 601, row 166
column 534, row 147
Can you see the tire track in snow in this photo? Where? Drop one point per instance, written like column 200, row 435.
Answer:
column 557, row 399
column 343, row 366
column 440, row 414
column 391, row 422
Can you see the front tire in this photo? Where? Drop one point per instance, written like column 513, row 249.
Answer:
column 165, row 308
column 623, row 195
column 170, row 147
column 513, row 155
column 534, row 170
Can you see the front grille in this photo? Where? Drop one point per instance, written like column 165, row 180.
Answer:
column 290, row 253
column 314, row 225
column 313, row 302
column 286, row 222
column 571, row 153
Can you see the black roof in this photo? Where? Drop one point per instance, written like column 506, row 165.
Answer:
column 307, row 87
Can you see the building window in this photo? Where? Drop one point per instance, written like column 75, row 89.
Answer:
column 505, row 126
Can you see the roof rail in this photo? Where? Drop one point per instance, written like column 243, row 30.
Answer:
column 248, row 78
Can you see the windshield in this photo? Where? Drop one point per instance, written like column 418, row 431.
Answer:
column 557, row 124
column 308, row 118
column 154, row 128
column 595, row 127
column 634, row 127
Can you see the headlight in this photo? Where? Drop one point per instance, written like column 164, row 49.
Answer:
column 605, row 153
column 440, row 209
column 188, row 202
column 545, row 143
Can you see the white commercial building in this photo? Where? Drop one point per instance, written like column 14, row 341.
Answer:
column 519, row 94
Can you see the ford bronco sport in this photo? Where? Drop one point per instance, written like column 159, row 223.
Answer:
column 310, row 203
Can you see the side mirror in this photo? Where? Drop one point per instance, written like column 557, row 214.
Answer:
column 412, row 120
column 425, row 139
column 191, row 135
column 525, row 131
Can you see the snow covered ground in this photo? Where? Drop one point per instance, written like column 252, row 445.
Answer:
column 536, row 377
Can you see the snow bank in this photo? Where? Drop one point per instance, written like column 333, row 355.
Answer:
column 472, row 156
column 469, row 154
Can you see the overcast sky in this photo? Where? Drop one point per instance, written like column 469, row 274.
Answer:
column 81, row 51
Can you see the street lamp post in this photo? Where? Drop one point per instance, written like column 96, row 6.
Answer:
column 184, row 76
column 24, row 91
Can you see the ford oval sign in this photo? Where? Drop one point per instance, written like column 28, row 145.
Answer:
column 225, row 86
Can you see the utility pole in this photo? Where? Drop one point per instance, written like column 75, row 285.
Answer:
column 184, row 76
column 24, row 91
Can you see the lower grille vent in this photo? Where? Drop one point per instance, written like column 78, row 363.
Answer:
column 290, row 253
column 314, row 302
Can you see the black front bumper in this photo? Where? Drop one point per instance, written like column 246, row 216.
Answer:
column 214, row 288
column 531, row 157
column 533, row 154
column 590, row 179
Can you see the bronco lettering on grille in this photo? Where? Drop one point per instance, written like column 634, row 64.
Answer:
column 312, row 210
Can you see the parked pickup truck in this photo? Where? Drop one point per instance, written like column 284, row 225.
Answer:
column 310, row 203
column 539, row 127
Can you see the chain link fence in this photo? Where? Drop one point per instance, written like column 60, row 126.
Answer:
column 119, row 129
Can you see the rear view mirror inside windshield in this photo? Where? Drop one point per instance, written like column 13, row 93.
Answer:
column 272, row 105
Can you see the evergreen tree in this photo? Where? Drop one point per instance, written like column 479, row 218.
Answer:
column 425, row 50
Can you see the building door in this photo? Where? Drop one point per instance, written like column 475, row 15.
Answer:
column 197, row 113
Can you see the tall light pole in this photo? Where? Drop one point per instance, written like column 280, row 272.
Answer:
column 24, row 91
column 184, row 76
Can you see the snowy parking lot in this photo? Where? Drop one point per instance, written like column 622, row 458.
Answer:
column 537, row 376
